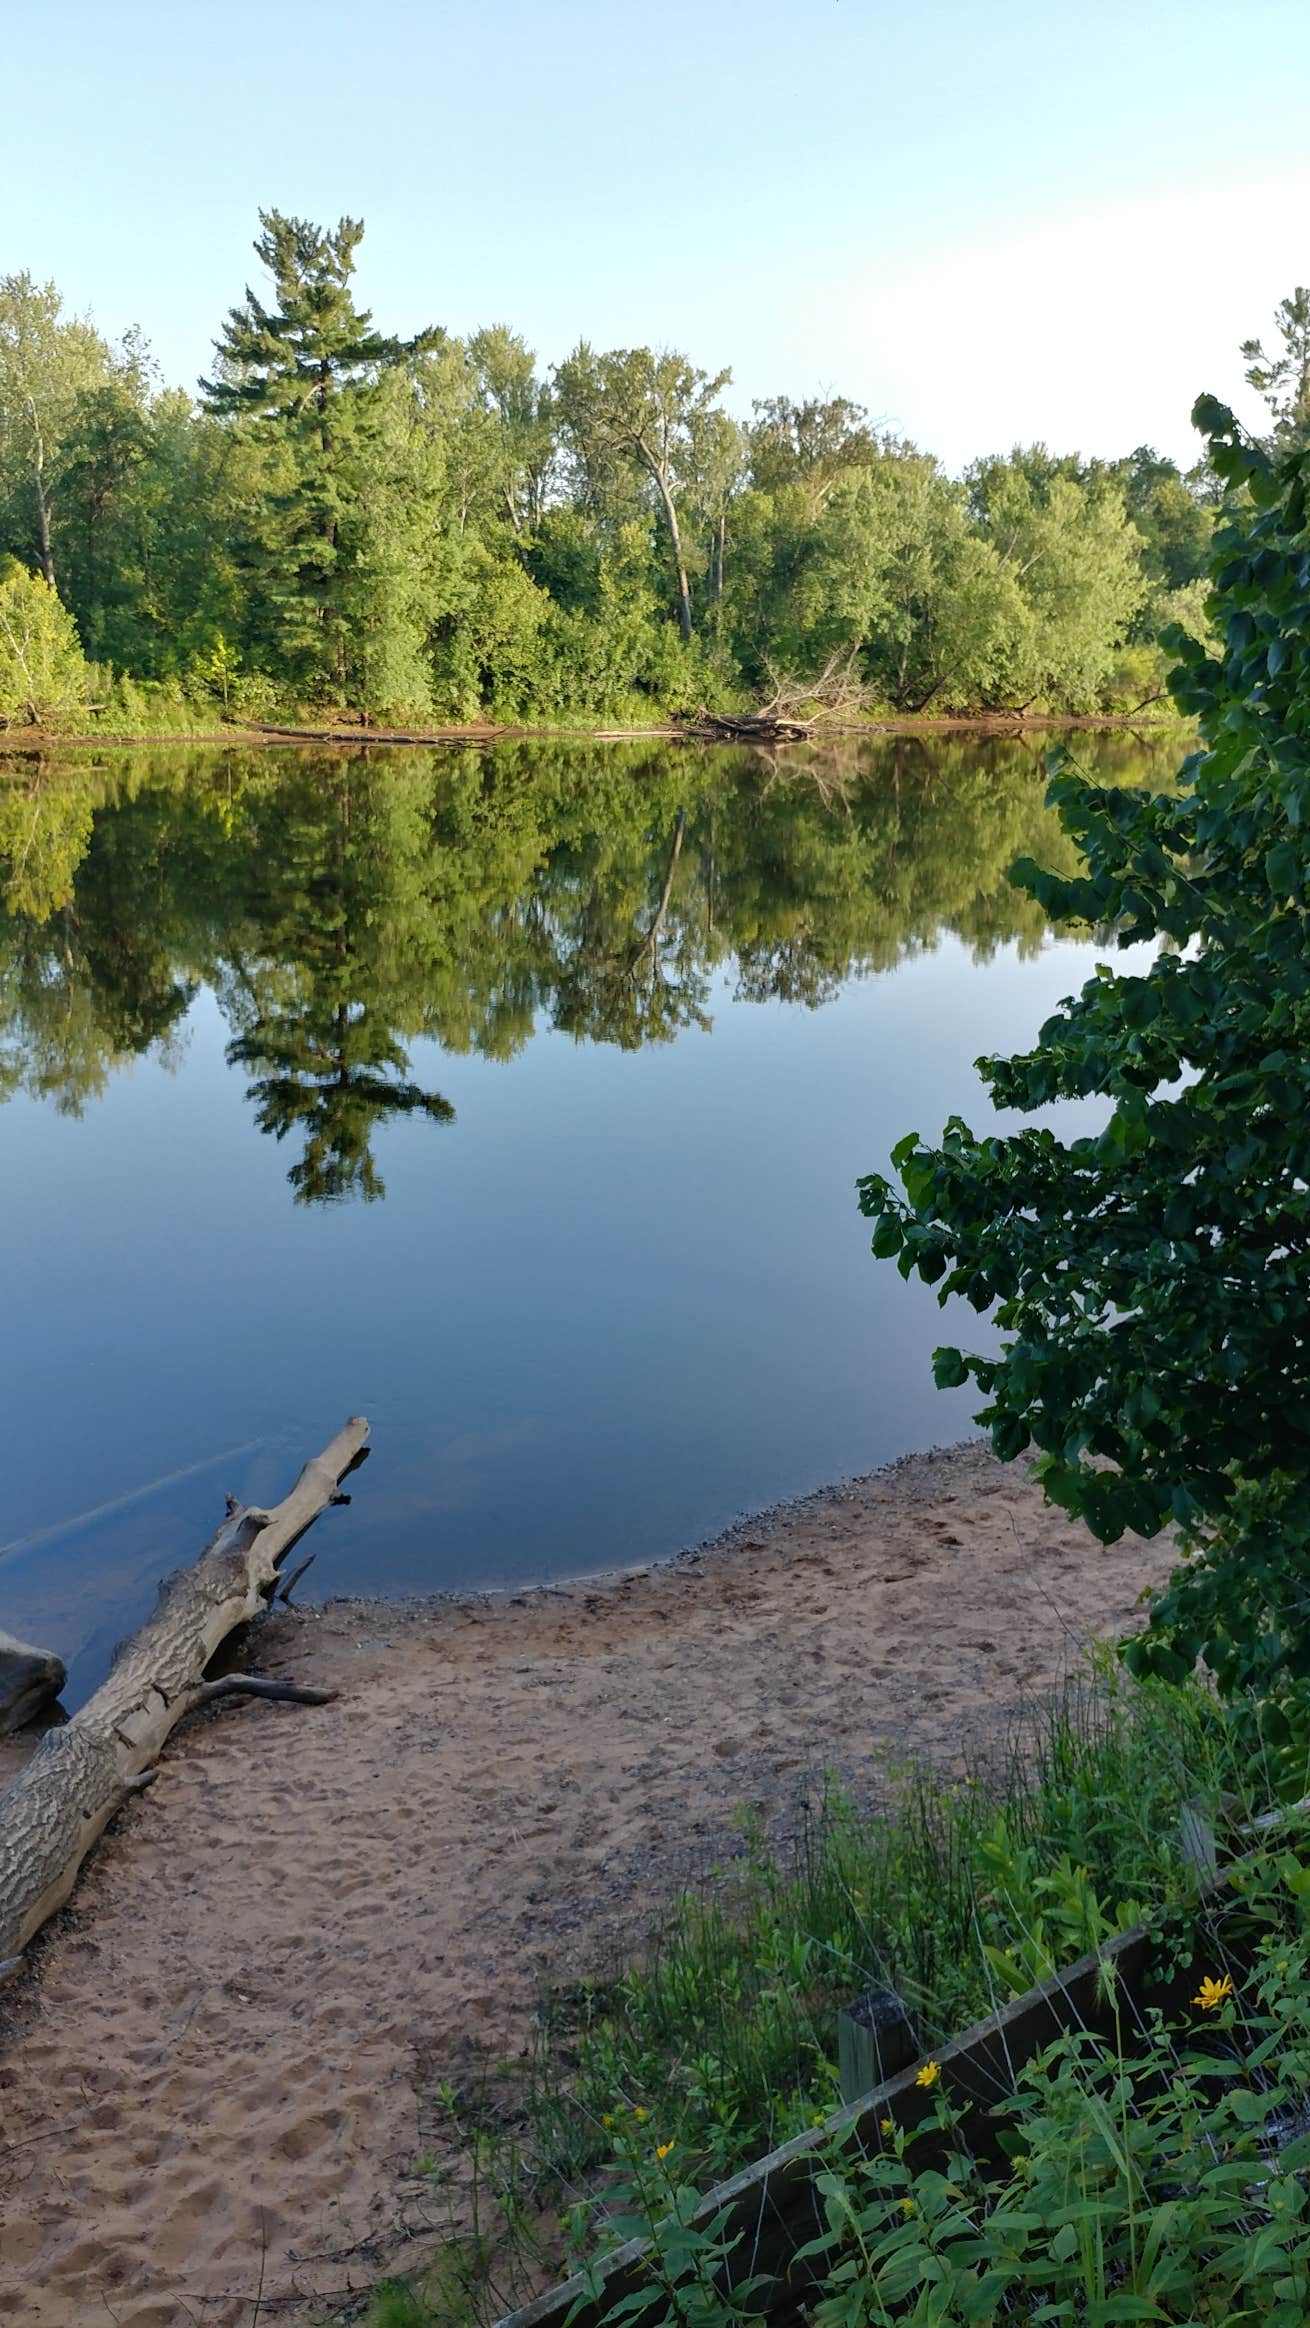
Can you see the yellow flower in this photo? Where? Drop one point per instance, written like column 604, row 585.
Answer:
column 928, row 2075
column 662, row 2149
column 1213, row 1992
column 908, row 2207
column 607, row 2120
column 885, row 2126
column 639, row 2114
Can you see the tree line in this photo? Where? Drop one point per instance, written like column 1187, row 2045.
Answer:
column 346, row 524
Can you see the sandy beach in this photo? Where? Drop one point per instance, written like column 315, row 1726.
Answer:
column 220, row 2068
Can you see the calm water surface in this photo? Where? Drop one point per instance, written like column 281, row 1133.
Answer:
column 514, row 1098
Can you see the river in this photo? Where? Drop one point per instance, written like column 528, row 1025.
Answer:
column 512, row 1096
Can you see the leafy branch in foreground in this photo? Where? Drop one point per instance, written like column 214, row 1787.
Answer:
column 1151, row 1280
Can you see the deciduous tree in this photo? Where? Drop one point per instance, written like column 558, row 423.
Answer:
column 641, row 409
column 47, row 361
column 1150, row 1279
column 43, row 673
column 1283, row 378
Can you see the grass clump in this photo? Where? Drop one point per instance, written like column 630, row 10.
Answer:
column 1154, row 2174
column 958, row 1893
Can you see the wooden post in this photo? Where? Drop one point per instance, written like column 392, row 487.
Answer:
column 1197, row 1837
column 874, row 2039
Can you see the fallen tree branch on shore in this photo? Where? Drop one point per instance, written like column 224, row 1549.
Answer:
column 367, row 735
column 795, row 711
column 744, row 728
column 289, row 1693
column 63, row 1798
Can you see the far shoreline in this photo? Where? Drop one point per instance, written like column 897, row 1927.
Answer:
column 907, row 1478
column 44, row 743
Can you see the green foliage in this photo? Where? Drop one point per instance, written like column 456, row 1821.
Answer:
column 399, row 2307
column 814, row 444
column 721, row 2043
column 689, row 2261
column 1155, row 2176
column 635, row 419
column 464, row 894
column 1150, row 2177
column 1068, row 544
column 724, row 2040
column 148, row 707
column 956, row 1895
column 1174, row 516
column 1150, row 1279
column 333, row 568
column 44, row 678
column 489, row 651
column 50, row 365
column 1283, row 377
column 390, row 529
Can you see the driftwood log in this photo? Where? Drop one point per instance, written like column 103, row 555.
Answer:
column 30, row 1680
column 53, row 1811
column 795, row 710
column 717, row 727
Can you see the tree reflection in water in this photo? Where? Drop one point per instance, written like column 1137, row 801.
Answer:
column 340, row 905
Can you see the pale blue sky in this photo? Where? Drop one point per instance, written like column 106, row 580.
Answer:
column 985, row 221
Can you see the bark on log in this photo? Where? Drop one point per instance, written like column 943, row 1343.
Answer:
column 53, row 1811
column 30, row 1680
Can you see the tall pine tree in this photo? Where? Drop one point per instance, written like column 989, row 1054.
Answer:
column 301, row 379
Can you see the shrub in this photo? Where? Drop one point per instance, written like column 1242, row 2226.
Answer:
column 44, row 677
column 1150, row 1280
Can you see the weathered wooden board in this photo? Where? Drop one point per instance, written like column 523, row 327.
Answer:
column 773, row 2205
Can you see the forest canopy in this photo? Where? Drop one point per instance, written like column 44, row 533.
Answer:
column 346, row 523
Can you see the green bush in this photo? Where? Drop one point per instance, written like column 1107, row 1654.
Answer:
column 1149, row 1279
column 149, row 707
column 44, row 676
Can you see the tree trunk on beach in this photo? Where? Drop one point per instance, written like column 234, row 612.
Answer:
column 52, row 1813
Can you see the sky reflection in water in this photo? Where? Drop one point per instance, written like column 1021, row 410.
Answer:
column 514, row 1098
